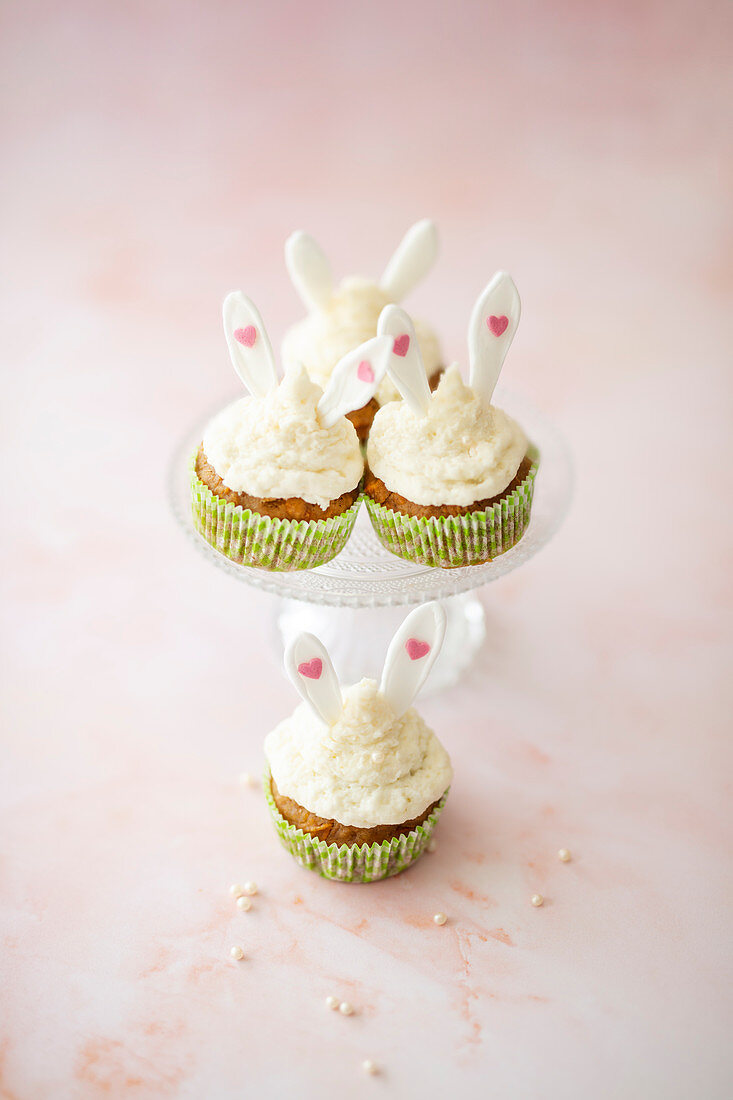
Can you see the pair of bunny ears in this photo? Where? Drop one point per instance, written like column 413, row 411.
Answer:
column 411, row 655
column 353, row 380
column 310, row 271
column 494, row 321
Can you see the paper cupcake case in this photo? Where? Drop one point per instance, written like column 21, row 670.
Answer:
column 249, row 538
column 454, row 541
column 353, row 863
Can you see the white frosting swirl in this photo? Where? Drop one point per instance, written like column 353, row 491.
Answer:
column 275, row 446
column 462, row 451
column 369, row 768
column 323, row 338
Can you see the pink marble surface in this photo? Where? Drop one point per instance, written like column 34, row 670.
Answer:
column 155, row 157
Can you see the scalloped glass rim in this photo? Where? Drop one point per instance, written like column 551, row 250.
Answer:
column 364, row 574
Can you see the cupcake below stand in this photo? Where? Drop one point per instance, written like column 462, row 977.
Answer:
column 347, row 601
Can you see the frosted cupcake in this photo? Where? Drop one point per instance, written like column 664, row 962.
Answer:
column 356, row 780
column 276, row 479
column 450, row 477
column 341, row 317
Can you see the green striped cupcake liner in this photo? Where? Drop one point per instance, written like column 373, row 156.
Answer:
column 250, row 538
column 453, row 541
column 353, row 863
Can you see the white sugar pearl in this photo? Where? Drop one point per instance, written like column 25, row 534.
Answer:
column 236, row 890
column 346, row 1009
column 237, row 953
column 440, row 918
column 246, row 779
column 369, row 1066
column 244, row 903
column 432, row 845
column 332, row 1003
column 564, row 855
column 250, row 888
column 537, row 900
column 378, row 757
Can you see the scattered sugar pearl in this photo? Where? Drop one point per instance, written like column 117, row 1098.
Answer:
column 432, row 845
column 237, row 952
column 236, row 890
column 440, row 918
column 246, row 779
column 378, row 757
column 244, row 903
column 332, row 1003
column 369, row 1066
column 537, row 900
column 564, row 855
column 346, row 1009
column 250, row 888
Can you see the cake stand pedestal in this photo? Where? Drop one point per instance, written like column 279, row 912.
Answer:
column 353, row 603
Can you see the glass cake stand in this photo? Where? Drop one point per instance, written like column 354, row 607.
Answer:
column 354, row 603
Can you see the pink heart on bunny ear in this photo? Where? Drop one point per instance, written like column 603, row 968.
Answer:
column 311, row 669
column 416, row 649
column 365, row 372
column 246, row 336
column 497, row 324
column 401, row 345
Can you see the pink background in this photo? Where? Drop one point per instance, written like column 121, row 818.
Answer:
column 156, row 156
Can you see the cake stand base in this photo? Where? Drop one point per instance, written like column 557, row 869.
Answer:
column 357, row 639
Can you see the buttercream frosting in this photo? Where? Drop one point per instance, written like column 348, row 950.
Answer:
column 367, row 768
column 348, row 319
column 463, row 450
column 275, row 446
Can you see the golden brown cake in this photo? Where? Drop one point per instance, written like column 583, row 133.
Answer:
column 279, row 508
column 378, row 491
column 333, row 832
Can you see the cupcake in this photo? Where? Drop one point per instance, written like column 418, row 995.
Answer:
column 356, row 780
column 276, row 479
column 450, row 477
column 339, row 318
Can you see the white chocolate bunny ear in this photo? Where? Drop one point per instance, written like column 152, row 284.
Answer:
column 413, row 259
column 249, row 345
column 411, row 655
column 405, row 363
column 491, row 330
column 309, row 270
column 354, row 379
column 309, row 667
